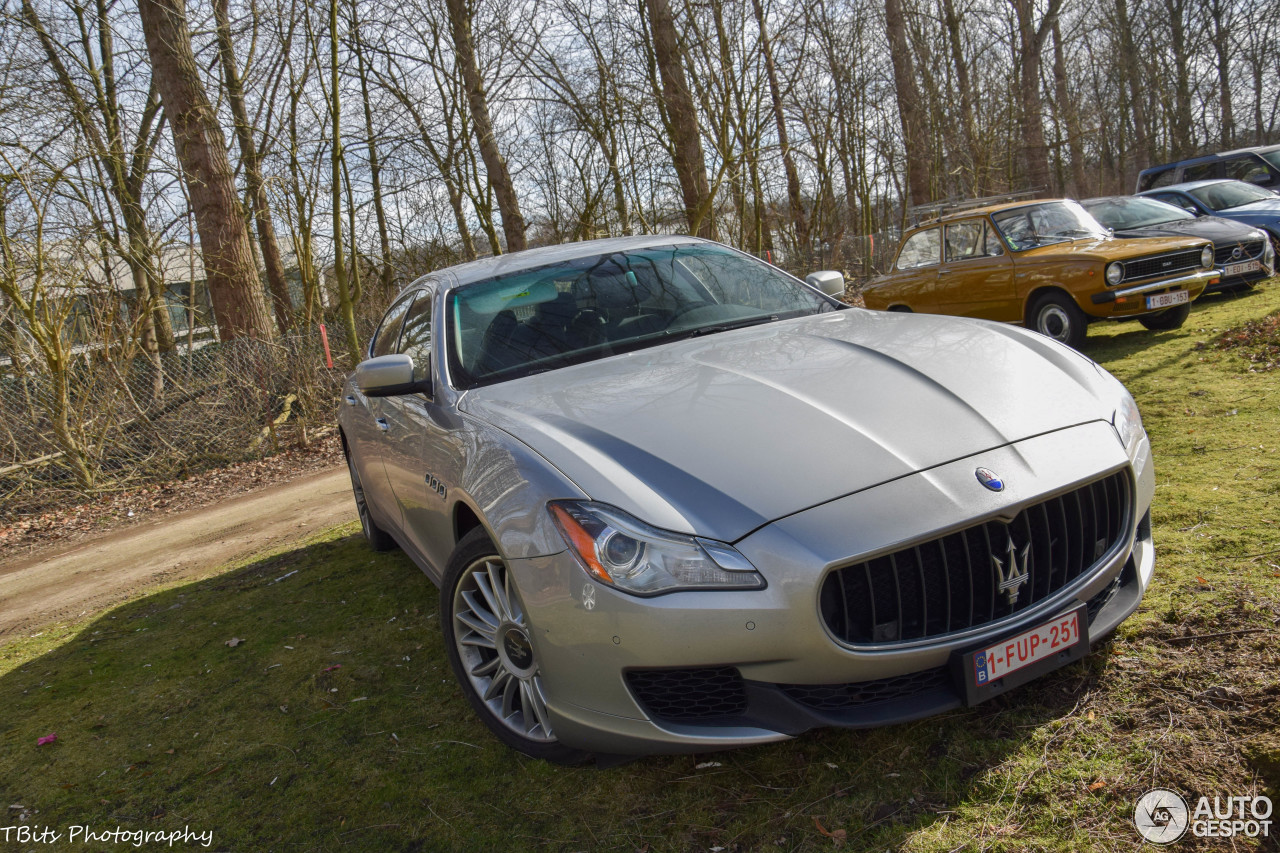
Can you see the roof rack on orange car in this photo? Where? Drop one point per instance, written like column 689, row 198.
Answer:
column 919, row 214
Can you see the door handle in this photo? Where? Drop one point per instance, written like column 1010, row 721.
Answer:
column 382, row 424
column 351, row 401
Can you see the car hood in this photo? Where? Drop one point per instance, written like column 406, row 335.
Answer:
column 1106, row 249
column 1206, row 227
column 1264, row 208
column 721, row 434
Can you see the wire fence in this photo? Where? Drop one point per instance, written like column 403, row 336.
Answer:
column 102, row 425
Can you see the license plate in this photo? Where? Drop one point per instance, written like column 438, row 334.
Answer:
column 1164, row 300
column 1015, row 653
column 996, row 667
column 1241, row 268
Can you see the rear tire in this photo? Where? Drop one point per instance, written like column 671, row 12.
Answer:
column 378, row 539
column 1055, row 315
column 1168, row 319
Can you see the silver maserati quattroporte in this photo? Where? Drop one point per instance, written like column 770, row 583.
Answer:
column 677, row 500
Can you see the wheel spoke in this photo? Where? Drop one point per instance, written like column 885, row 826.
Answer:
column 480, row 611
column 486, row 668
column 497, row 685
column 478, row 625
column 484, row 583
column 538, row 703
column 501, row 594
column 510, row 601
column 480, row 641
column 510, row 693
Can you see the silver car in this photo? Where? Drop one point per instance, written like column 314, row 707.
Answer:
column 677, row 500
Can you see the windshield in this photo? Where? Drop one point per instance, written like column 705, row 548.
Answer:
column 1125, row 213
column 538, row 319
column 1042, row 224
column 1229, row 194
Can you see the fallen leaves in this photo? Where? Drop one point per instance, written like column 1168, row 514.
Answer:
column 233, row 642
column 838, row 836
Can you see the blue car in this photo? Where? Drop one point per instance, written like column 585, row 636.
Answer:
column 1236, row 200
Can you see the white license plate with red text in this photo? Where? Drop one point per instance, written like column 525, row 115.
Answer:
column 1165, row 300
column 1241, row 268
column 1014, row 653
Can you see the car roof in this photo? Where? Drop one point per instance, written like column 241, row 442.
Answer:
column 982, row 211
column 1190, row 185
column 486, row 268
column 1209, row 158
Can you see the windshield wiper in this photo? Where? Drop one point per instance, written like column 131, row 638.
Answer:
column 723, row 327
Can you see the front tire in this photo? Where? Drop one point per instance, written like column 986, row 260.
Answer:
column 1168, row 319
column 1056, row 315
column 488, row 638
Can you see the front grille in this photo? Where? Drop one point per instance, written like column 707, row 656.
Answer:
column 689, row 695
column 954, row 583
column 842, row 697
column 1157, row 265
column 1249, row 250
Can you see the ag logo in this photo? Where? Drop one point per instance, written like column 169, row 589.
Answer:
column 1161, row 816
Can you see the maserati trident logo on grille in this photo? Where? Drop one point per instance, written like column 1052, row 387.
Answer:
column 990, row 479
column 1015, row 573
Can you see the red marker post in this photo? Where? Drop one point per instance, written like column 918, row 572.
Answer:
column 324, row 339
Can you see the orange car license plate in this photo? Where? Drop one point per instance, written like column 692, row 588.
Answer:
column 1164, row 300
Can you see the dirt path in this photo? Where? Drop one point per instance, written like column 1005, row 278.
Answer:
column 60, row 584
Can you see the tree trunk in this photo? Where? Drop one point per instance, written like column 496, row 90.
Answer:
column 1070, row 118
column 513, row 226
column 788, row 162
column 375, row 165
column 1031, row 38
column 1136, row 88
column 346, row 308
column 259, row 206
column 202, row 151
column 682, row 120
column 910, row 108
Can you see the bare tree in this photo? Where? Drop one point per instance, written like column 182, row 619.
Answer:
column 201, row 149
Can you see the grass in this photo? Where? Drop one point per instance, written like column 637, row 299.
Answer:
column 335, row 723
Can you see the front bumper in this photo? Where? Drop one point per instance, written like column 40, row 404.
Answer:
column 788, row 672
column 1126, row 297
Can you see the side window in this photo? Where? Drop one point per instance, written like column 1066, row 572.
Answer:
column 416, row 340
column 1202, row 172
column 384, row 340
column 972, row 239
column 922, row 249
column 1248, row 168
column 1162, row 178
column 994, row 247
column 1174, row 199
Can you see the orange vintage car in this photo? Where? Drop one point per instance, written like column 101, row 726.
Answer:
column 1045, row 264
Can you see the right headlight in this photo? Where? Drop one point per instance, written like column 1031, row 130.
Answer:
column 624, row 552
column 1206, row 256
column 1115, row 273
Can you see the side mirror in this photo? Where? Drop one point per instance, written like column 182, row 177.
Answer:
column 1189, row 209
column 829, row 282
column 389, row 376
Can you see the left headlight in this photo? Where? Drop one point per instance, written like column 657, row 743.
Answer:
column 628, row 554
column 1206, row 256
column 1128, row 422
